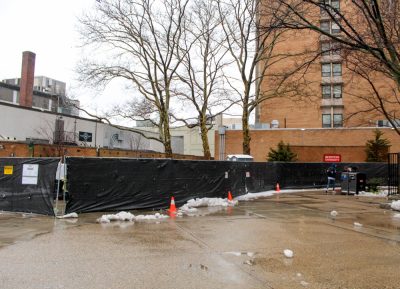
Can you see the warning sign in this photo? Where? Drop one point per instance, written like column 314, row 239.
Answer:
column 8, row 170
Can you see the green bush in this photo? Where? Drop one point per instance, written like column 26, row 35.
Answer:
column 282, row 154
column 378, row 148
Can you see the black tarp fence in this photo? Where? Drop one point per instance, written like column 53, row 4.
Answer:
column 112, row 184
column 27, row 184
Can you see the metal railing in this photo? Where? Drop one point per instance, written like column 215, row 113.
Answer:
column 393, row 173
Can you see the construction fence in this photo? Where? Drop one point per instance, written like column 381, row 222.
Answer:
column 114, row 184
column 103, row 184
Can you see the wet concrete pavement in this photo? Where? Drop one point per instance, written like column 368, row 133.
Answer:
column 239, row 247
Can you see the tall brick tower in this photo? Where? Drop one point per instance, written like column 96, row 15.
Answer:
column 27, row 77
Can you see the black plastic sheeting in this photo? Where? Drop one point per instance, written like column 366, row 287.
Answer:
column 109, row 184
column 31, row 198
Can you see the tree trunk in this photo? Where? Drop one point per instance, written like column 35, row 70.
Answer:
column 246, row 132
column 204, row 139
column 166, row 135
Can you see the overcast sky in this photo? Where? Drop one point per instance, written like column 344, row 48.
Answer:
column 45, row 27
column 49, row 29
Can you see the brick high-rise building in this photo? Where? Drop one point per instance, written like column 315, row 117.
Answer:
column 335, row 97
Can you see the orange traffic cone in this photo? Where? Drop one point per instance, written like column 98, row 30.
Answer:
column 230, row 196
column 277, row 188
column 172, row 208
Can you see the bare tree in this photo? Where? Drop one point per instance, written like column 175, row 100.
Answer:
column 253, row 53
column 369, row 40
column 202, row 71
column 141, row 38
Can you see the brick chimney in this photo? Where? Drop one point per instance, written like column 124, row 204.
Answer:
column 27, row 76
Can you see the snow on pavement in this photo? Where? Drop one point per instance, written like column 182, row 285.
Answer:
column 288, row 253
column 126, row 216
column 191, row 208
column 67, row 216
column 395, row 205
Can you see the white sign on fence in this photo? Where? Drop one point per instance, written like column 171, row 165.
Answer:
column 30, row 173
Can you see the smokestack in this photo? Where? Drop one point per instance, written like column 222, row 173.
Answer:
column 27, row 76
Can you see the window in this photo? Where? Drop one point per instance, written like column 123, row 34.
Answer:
column 330, row 48
column 335, row 4
column 337, row 120
column 329, row 90
column 336, row 69
column 325, row 48
column 325, row 26
column 326, row 69
column 326, row 120
column 330, row 27
column 337, row 90
column 335, row 48
column 326, row 91
column 335, row 29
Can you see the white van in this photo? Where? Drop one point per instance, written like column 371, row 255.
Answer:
column 239, row 158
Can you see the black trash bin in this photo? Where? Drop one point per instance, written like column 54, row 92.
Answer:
column 353, row 182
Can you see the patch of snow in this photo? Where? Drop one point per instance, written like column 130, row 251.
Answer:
column 126, row 216
column 380, row 194
column 357, row 224
column 334, row 214
column 212, row 205
column 237, row 254
column 396, row 216
column 288, row 253
column 304, row 283
column 298, row 274
column 67, row 216
column 395, row 205
column 208, row 202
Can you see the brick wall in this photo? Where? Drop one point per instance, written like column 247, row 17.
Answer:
column 20, row 149
column 309, row 144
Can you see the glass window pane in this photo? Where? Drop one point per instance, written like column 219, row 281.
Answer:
column 337, row 120
column 337, row 69
column 326, row 69
column 335, row 28
column 326, row 120
column 337, row 91
column 335, row 4
column 325, row 48
column 325, row 26
column 326, row 91
column 335, row 48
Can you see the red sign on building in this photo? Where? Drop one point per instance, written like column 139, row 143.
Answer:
column 332, row 158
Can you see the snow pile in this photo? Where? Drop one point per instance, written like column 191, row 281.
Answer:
column 191, row 205
column 150, row 217
column 357, row 224
column 334, row 214
column 369, row 194
column 126, row 216
column 67, row 216
column 288, row 253
column 395, row 205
